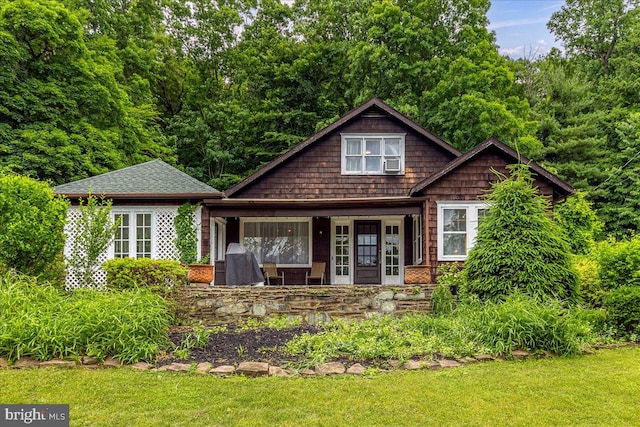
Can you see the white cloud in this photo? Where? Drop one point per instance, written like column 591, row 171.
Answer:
column 512, row 51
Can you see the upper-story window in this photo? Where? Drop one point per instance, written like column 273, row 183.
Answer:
column 372, row 154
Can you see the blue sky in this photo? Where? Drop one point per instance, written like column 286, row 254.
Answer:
column 521, row 26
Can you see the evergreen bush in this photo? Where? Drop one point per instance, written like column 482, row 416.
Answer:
column 579, row 221
column 518, row 247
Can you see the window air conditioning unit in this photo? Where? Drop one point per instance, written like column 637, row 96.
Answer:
column 392, row 165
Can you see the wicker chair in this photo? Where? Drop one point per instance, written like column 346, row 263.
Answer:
column 317, row 272
column 271, row 273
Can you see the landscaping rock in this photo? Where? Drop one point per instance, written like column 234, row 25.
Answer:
column 317, row 318
column 276, row 306
column 384, row 295
column 388, row 307
column 179, row 367
column 111, row 362
column 356, row 369
column 259, row 310
column 223, row 370
column 276, row 371
column 307, row 372
column 25, row 362
column 520, row 354
column 484, row 357
column 57, row 362
column 412, row 365
column 90, row 361
column 465, row 360
column 395, row 364
column 203, row 367
column 141, row 366
column 432, row 365
column 3, row 362
column 449, row 363
column 253, row 369
column 400, row 296
column 331, row 368
column 233, row 308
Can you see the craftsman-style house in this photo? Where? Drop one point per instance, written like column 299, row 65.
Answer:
column 368, row 195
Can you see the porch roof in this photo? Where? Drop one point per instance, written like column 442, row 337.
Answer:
column 372, row 206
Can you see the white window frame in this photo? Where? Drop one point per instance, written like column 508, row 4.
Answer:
column 219, row 239
column 363, row 155
column 472, row 208
column 243, row 221
column 133, row 231
column 417, row 239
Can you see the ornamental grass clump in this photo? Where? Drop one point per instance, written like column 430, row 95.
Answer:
column 474, row 327
column 519, row 249
column 40, row 321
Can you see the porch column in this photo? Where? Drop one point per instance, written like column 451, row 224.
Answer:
column 426, row 237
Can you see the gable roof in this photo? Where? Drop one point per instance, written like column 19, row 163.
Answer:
column 373, row 103
column 154, row 179
column 492, row 143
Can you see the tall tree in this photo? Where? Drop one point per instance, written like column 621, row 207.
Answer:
column 593, row 27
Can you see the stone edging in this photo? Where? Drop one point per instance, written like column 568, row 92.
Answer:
column 261, row 369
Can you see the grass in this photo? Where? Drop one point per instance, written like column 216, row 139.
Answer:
column 602, row 390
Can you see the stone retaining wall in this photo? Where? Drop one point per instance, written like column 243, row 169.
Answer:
column 314, row 304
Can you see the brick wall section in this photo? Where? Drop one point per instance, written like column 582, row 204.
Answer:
column 316, row 173
column 313, row 304
column 470, row 182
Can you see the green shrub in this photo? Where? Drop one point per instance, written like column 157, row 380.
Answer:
column 580, row 222
column 518, row 247
column 589, row 282
column 94, row 231
column 619, row 263
column 623, row 311
column 43, row 322
column 442, row 300
column 159, row 276
column 186, row 233
column 31, row 226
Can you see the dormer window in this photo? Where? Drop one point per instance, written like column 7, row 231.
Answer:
column 373, row 154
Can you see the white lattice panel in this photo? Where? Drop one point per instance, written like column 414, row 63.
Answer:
column 71, row 229
column 165, row 234
column 163, row 239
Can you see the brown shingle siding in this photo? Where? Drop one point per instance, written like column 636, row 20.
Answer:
column 316, row 172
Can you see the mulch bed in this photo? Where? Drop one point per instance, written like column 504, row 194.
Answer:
column 236, row 345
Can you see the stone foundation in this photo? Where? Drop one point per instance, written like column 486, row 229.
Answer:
column 313, row 304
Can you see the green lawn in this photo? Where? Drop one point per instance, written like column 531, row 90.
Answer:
column 601, row 389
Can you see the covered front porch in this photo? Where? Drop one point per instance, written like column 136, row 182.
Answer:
column 360, row 242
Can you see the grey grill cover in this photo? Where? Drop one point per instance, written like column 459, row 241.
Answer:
column 241, row 266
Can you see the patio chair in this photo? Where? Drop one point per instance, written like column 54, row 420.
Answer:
column 317, row 272
column 271, row 273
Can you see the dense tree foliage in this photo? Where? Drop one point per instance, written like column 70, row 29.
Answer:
column 221, row 87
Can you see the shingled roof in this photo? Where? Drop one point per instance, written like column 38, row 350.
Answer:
column 560, row 186
column 154, row 179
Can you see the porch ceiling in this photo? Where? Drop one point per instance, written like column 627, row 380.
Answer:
column 314, row 207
